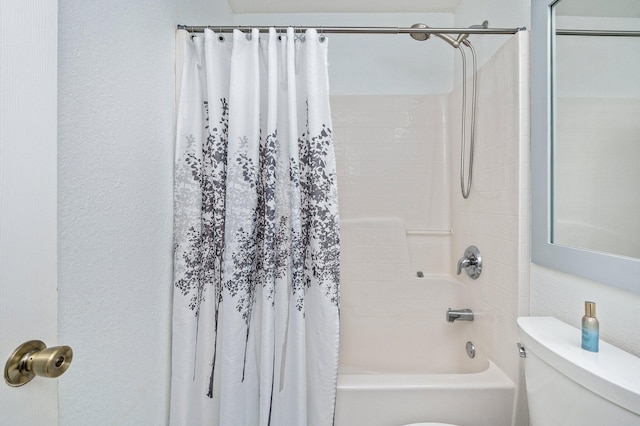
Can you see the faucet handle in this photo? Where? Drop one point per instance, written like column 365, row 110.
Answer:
column 463, row 263
column 471, row 262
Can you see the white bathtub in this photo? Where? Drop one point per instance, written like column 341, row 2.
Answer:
column 401, row 362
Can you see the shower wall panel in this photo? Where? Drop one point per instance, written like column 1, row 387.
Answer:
column 495, row 217
column 392, row 168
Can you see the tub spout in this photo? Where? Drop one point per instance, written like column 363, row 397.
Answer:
column 459, row 315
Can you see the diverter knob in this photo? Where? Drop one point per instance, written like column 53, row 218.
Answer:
column 33, row 358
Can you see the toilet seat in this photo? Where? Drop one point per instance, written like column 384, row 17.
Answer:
column 429, row 424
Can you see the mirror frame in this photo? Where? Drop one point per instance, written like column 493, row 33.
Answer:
column 613, row 270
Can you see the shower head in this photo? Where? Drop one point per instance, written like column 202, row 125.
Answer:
column 422, row 36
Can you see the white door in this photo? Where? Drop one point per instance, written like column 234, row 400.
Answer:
column 28, row 127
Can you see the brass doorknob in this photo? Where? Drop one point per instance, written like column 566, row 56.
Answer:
column 33, row 358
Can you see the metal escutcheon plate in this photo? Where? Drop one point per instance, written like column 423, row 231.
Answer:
column 14, row 370
column 473, row 270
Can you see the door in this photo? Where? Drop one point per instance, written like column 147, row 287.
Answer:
column 28, row 127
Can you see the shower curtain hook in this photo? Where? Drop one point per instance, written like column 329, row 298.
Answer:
column 321, row 38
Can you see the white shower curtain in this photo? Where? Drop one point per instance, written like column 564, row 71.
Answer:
column 255, row 310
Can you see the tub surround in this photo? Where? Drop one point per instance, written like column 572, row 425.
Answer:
column 398, row 165
column 495, row 217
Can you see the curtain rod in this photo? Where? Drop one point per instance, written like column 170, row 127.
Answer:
column 356, row 30
column 603, row 33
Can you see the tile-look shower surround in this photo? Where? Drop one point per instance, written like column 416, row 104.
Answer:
column 395, row 171
column 495, row 217
column 392, row 164
column 392, row 177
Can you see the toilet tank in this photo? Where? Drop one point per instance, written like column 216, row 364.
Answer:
column 568, row 386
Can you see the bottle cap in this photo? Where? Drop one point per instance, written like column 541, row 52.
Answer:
column 590, row 309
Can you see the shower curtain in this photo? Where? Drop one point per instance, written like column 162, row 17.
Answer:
column 256, row 245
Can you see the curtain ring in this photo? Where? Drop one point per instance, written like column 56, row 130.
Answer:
column 322, row 38
column 246, row 35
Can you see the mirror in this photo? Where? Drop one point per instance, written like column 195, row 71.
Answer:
column 595, row 135
column 586, row 139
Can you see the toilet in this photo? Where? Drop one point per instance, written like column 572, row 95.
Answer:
column 570, row 386
column 429, row 424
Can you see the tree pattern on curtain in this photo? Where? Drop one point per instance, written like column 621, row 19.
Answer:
column 264, row 251
column 251, row 214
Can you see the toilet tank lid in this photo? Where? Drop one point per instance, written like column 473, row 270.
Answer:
column 611, row 373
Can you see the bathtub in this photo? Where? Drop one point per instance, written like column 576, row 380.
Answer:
column 401, row 362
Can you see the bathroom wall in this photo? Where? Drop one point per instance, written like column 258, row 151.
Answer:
column 562, row 295
column 204, row 12
column 115, row 139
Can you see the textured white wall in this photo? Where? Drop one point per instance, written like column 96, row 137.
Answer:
column 116, row 115
column 562, row 296
column 204, row 12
